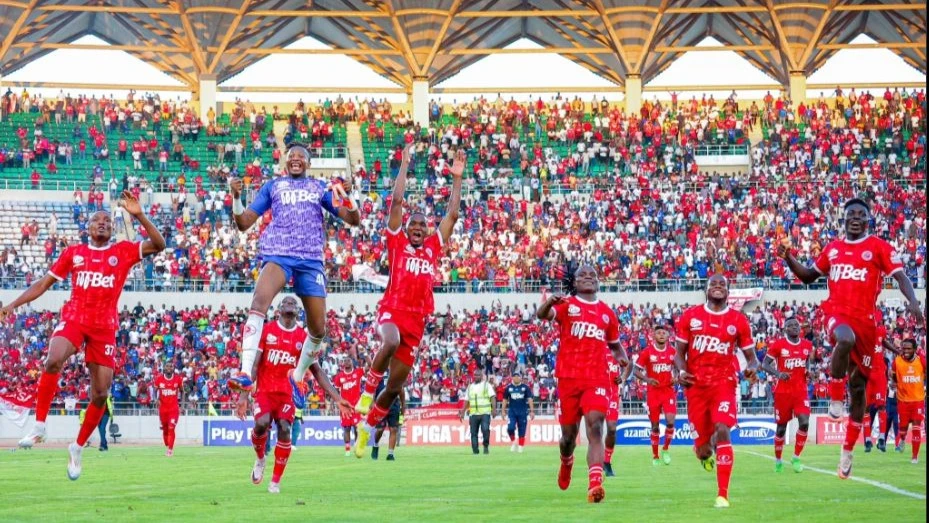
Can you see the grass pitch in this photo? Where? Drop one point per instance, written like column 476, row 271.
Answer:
column 447, row 484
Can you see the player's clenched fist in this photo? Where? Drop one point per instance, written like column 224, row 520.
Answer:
column 235, row 185
column 784, row 247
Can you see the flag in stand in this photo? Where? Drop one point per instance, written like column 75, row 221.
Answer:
column 16, row 406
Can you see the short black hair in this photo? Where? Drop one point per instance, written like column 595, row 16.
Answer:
column 911, row 340
column 856, row 201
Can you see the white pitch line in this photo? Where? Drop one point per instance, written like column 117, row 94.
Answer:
column 878, row 484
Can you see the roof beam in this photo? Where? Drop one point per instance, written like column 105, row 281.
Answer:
column 736, row 48
column 110, row 9
column 194, row 44
column 541, row 50
column 323, row 14
column 270, row 51
column 614, row 38
column 532, row 13
column 811, row 45
column 400, row 34
column 14, row 31
column 101, row 47
column 782, row 37
column 882, row 7
column 233, row 27
column 650, row 38
column 108, row 86
column 876, row 45
column 430, row 58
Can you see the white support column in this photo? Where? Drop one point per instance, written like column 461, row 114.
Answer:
column 421, row 101
column 2, row 92
column 797, row 88
column 207, row 95
column 633, row 94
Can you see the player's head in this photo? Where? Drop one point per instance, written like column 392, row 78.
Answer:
column 348, row 365
column 586, row 280
column 416, row 227
column 717, row 288
column 298, row 160
column 792, row 327
column 100, row 226
column 661, row 332
column 857, row 217
column 288, row 307
column 909, row 348
column 169, row 367
column 517, row 378
column 478, row 375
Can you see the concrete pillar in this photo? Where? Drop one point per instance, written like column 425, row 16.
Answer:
column 633, row 94
column 421, row 101
column 2, row 104
column 207, row 95
column 797, row 87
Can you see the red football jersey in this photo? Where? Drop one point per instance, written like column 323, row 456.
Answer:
column 97, row 278
column 612, row 371
column 349, row 384
column 412, row 273
column 169, row 391
column 855, row 271
column 792, row 359
column 658, row 365
column 280, row 350
column 587, row 328
column 878, row 363
column 712, row 339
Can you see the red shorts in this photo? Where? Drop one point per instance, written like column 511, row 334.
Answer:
column 579, row 397
column 99, row 345
column 612, row 412
column 350, row 421
column 411, row 327
column 168, row 418
column 876, row 392
column 660, row 400
column 865, row 338
column 707, row 406
column 279, row 404
column 911, row 412
column 789, row 404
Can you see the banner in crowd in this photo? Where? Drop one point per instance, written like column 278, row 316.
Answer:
column 361, row 272
column 15, row 406
column 435, row 411
column 739, row 297
column 235, row 433
column 631, row 430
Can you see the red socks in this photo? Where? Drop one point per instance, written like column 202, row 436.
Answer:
column 91, row 420
column 917, row 439
column 48, row 387
column 170, row 442
column 837, row 390
column 800, row 443
column 654, row 439
column 852, row 431
column 867, row 427
column 882, row 417
column 348, row 447
column 608, row 455
column 668, row 436
column 724, row 461
column 778, row 447
column 281, row 455
column 522, row 441
column 258, row 442
column 372, row 380
column 594, row 476
column 376, row 415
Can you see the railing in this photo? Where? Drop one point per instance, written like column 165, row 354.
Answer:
column 629, row 406
column 721, row 149
column 460, row 287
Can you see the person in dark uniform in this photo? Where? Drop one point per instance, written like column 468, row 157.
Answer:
column 518, row 409
column 392, row 422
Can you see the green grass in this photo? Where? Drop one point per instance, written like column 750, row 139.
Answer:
column 444, row 484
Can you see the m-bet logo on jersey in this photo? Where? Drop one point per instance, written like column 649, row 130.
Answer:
column 844, row 271
column 710, row 344
column 280, row 357
column 86, row 279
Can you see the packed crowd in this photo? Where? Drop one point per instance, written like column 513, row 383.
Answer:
column 204, row 344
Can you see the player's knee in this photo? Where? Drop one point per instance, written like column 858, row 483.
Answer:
column 781, row 431
column 844, row 338
column 704, row 451
column 655, row 427
column 283, row 435
column 98, row 397
column 594, row 430
column 52, row 366
column 261, row 427
column 722, row 433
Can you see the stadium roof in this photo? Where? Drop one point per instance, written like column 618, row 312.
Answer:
column 433, row 40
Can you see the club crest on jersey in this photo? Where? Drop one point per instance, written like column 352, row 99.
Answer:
column 785, row 353
column 606, row 319
column 271, row 339
column 574, row 310
column 299, row 345
column 731, row 330
column 696, row 324
column 866, row 256
column 113, row 261
column 428, row 252
column 78, row 260
column 653, row 358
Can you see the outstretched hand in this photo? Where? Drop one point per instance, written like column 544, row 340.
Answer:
column 345, row 408
column 457, row 168
column 130, row 203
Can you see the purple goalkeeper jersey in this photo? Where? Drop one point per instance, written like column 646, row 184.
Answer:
column 297, row 228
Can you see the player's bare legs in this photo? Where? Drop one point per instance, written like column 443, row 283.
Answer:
column 780, row 433
column 59, row 350
column 281, row 455
column 609, row 443
column 259, row 440
column 595, row 455
column 857, row 385
column 390, row 342
column 392, row 389
column 315, row 307
column 101, row 378
column 844, row 343
column 270, row 283
column 347, row 437
column 566, row 446
column 669, row 418
column 721, row 443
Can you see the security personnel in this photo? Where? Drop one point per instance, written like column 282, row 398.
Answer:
column 480, row 403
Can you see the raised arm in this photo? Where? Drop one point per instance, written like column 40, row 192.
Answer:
column 395, row 219
column 805, row 274
column 912, row 306
column 347, row 207
column 155, row 242
column 545, row 311
column 244, row 218
column 33, row 292
column 454, row 203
